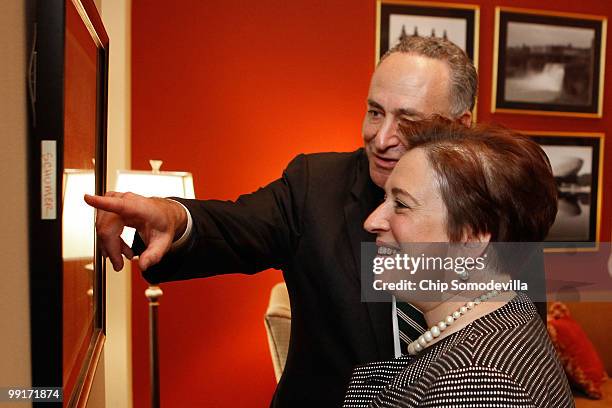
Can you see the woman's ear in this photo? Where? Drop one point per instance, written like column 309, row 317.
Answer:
column 475, row 245
column 483, row 238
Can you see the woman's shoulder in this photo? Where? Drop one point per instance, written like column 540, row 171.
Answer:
column 500, row 337
column 503, row 357
column 507, row 352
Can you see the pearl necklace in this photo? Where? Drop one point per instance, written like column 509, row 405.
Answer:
column 435, row 331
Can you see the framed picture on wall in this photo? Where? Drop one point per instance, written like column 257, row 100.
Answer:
column 577, row 164
column 67, row 158
column 548, row 63
column 456, row 22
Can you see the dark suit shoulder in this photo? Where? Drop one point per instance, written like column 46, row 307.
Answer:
column 333, row 160
column 321, row 168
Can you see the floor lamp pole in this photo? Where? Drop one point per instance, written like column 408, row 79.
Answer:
column 153, row 293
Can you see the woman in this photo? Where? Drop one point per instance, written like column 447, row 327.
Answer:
column 471, row 187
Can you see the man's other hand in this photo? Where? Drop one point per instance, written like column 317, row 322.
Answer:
column 158, row 221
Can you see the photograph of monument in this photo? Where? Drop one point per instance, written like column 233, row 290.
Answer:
column 455, row 22
column 402, row 25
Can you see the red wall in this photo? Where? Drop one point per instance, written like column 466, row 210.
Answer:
column 231, row 91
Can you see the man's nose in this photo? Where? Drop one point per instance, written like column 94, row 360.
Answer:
column 387, row 136
column 377, row 221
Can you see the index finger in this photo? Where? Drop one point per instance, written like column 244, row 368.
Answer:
column 112, row 204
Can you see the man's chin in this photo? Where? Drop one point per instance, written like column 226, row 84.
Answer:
column 378, row 176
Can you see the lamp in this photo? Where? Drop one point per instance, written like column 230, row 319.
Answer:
column 154, row 183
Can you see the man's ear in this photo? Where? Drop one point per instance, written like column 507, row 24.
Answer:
column 466, row 119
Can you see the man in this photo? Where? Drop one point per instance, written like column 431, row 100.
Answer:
column 308, row 223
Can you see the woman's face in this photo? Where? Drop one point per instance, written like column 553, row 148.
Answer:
column 413, row 210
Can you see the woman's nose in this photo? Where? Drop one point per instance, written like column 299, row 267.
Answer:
column 377, row 221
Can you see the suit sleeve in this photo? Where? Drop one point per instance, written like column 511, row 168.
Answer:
column 256, row 232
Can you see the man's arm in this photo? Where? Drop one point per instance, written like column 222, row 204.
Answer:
column 256, row 232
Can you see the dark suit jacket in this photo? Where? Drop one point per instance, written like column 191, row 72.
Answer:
column 309, row 224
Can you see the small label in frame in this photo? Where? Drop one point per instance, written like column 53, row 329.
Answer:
column 48, row 185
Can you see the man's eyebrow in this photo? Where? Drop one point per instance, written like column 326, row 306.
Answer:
column 401, row 192
column 409, row 112
column 375, row 104
column 398, row 112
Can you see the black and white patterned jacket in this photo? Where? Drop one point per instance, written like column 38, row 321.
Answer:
column 503, row 359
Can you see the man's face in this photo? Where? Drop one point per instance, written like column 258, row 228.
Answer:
column 403, row 85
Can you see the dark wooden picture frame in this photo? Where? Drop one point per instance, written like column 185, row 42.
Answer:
column 54, row 78
column 432, row 14
column 577, row 162
column 548, row 63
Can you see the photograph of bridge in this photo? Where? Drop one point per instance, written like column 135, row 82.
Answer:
column 549, row 63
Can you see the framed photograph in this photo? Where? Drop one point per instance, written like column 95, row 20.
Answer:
column 548, row 63
column 456, row 22
column 577, row 164
column 68, row 83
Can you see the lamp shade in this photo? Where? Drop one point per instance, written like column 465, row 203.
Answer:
column 156, row 183
column 160, row 184
column 77, row 217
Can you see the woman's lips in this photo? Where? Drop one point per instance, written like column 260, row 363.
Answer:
column 384, row 163
column 385, row 248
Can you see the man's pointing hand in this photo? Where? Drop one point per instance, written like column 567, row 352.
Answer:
column 158, row 221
